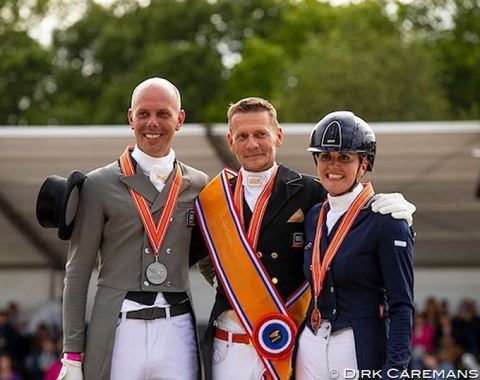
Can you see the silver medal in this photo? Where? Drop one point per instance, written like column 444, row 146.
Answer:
column 156, row 273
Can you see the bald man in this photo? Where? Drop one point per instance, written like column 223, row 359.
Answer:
column 135, row 216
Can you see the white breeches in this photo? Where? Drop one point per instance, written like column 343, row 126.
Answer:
column 158, row 349
column 326, row 356
column 234, row 361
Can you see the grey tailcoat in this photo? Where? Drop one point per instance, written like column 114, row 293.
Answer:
column 109, row 231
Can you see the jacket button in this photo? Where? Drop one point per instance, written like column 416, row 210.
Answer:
column 147, row 251
column 168, row 251
column 259, row 254
column 275, row 280
column 331, row 289
column 274, row 255
column 146, row 283
column 334, row 311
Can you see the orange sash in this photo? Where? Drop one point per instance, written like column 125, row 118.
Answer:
column 266, row 318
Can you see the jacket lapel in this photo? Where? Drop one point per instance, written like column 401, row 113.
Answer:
column 142, row 185
column 357, row 220
column 287, row 184
column 159, row 201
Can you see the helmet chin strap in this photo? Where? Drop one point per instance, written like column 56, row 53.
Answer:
column 357, row 177
column 355, row 183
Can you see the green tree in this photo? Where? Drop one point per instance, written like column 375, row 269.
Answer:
column 102, row 57
column 263, row 63
column 451, row 28
column 25, row 70
column 244, row 32
column 362, row 63
column 385, row 59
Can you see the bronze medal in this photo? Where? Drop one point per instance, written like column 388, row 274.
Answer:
column 315, row 319
column 156, row 273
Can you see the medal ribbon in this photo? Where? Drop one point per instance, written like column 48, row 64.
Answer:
column 156, row 232
column 256, row 300
column 259, row 209
column 319, row 269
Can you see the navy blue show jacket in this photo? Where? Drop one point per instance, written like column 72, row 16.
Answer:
column 369, row 287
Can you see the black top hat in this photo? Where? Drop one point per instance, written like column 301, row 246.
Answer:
column 57, row 202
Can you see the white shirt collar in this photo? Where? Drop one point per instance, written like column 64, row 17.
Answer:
column 146, row 162
column 254, row 183
column 342, row 202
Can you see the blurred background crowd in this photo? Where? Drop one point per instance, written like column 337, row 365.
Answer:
column 30, row 349
column 443, row 340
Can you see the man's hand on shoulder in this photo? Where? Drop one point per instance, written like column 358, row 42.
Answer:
column 394, row 204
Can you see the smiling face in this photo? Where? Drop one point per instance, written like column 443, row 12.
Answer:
column 338, row 171
column 155, row 115
column 254, row 139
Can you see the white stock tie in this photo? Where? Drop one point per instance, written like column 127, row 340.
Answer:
column 158, row 176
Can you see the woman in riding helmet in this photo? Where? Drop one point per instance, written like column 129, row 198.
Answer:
column 358, row 264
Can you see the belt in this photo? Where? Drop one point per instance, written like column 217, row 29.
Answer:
column 158, row 312
column 339, row 331
column 236, row 338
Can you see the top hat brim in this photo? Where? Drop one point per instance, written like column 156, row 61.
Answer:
column 57, row 202
column 70, row 202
